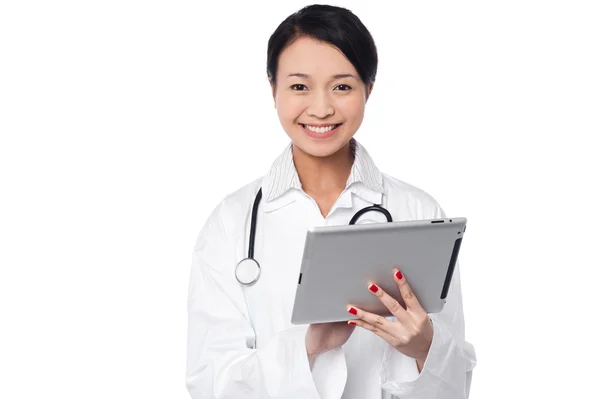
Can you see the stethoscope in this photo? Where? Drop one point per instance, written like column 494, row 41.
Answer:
column 247, row 271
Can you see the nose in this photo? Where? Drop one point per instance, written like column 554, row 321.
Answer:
column 321, row 107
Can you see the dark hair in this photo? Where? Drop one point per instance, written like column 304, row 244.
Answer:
column 335, row 25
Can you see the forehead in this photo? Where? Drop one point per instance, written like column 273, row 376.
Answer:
column 318, row 59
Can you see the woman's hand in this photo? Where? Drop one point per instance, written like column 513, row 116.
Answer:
column 321, row 338
column 411, row 333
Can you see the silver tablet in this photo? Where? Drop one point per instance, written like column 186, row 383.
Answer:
column 340, row 261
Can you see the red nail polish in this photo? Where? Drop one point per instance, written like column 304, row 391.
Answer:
column 373, row 288
column 399, row 275
column 353, row 311
column 352, row 323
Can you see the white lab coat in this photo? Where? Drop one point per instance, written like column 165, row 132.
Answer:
column 226, row 318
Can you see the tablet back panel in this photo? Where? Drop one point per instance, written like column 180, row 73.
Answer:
column 339, row 262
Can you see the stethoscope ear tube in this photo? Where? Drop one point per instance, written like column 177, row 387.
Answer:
column 253, row 224
column 376, row 208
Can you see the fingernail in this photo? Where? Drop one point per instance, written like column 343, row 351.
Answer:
column 373, row 288
column 399, row 275
column 352, row 310
column 352, row 323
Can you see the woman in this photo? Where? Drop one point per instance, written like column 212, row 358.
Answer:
column 321, row 66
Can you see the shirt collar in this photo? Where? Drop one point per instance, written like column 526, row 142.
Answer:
column 364, row 175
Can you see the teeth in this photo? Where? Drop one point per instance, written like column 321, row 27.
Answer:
column 319, row 129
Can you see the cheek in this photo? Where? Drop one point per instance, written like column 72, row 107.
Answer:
column 352, row 108
column 288, row 110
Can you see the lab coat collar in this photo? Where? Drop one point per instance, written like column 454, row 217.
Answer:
column 365, row 179
column 367, row 194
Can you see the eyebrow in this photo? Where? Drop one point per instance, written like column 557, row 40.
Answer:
column 338, row 76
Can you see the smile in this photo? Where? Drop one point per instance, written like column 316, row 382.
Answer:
column 320, row 129
column 321, row 132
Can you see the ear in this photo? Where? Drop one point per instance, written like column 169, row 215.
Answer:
column 273, row 88
column 369, row 90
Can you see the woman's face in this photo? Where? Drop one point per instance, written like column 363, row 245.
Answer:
column 318, row 86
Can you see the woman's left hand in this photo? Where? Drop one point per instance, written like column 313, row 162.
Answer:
column 412, row 331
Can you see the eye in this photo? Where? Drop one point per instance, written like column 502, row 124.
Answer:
column 347, row 88
column 297, row 85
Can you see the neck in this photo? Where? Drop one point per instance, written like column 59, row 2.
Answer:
column 324, row 175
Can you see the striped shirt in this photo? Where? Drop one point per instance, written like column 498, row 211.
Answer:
column 283, row 175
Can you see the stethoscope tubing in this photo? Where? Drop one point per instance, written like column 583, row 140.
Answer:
column 253, row 274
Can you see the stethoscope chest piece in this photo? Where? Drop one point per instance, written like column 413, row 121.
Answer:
column 247, row 272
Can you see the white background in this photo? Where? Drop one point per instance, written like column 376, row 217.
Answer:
column 123, row 123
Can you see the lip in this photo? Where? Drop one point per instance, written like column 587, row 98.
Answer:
column 321, row 124
column 321, row 135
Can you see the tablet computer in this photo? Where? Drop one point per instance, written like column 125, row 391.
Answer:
column 340, row 261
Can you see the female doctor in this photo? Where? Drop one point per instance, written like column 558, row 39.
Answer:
column 321, row 66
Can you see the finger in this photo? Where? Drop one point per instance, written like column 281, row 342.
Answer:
column 376, row 321
column 411, row 301
column 389, row 302
column 374, row 329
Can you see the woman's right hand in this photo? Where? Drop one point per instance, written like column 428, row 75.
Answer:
column 323, row 337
